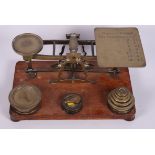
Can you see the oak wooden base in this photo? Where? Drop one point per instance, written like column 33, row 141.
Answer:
column 94, row 95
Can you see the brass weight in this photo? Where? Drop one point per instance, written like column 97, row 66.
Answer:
column 25, row 99
column 120, row 100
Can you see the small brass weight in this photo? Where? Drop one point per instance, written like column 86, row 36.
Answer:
column 73, row 83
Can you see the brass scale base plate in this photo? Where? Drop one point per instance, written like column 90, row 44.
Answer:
column 94, row 95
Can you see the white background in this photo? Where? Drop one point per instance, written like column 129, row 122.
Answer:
column 142, row 78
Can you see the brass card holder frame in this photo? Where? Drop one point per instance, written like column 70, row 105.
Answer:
column 76, row 85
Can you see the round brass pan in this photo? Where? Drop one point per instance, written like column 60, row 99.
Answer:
column 25, row 99
column 27, row 44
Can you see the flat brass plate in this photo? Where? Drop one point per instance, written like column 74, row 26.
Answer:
column 25, row 99
column 27, row 44
column 119, row 47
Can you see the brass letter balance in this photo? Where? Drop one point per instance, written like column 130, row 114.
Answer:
column 76, row 85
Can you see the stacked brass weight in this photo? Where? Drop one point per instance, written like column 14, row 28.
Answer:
column 25, row 99
column 120, row 100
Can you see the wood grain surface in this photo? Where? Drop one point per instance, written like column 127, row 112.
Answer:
column 94, row 95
